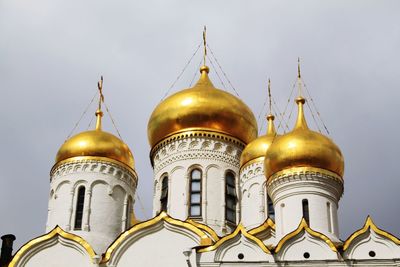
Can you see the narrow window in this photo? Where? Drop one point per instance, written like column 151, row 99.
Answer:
column 328, row 210
column 128, row 213
column 164, row 194
column 270, row 206
column 79, row 208
column 195, row 193
column 306, row 213
column 230, row 197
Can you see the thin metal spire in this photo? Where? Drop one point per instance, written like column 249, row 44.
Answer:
column 299, row 81
column 269, row 96
column 205, row 44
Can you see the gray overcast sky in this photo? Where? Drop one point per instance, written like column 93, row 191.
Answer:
column 52, row 53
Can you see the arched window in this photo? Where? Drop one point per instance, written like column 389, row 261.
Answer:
column 306, row 212
column 164, row 194
column 79, row 208
column 270, row 206
column 230, row 197
column 195, row 193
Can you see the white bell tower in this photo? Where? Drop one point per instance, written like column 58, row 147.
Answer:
column 92, row 186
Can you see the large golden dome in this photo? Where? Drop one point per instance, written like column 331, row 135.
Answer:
column 202, row 107
column 96, row 143
column 303, row 147
column 257, row 149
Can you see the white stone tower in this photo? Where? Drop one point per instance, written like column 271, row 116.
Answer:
column 256, row 206
column 92, row 186
column 304, row 171
column 197, row 136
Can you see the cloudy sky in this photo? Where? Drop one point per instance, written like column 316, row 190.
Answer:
column 52, row 52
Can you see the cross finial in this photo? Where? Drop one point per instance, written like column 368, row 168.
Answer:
column 100, row 87
column 99, row 113
column 205, row 44
column 269, row 96
column 298, row 68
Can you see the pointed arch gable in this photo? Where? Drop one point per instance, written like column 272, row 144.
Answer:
column 303, row 226
column 239, row 230
column 162, row 220
column 38, row 244
column 238, row 246
column 267, row 225
column 306, row 244
column 368, row 226
column 370, row 242
column 205, row 228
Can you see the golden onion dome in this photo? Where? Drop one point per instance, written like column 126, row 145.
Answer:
column 202, row 107
column 303, row 147
column 96, row 143
column 257, row 149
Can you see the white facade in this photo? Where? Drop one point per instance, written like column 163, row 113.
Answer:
column 109, row 191
column 253, row 205
column 322, row 193
column 214, row 155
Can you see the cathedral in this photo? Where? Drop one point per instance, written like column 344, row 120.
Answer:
column 222, row 195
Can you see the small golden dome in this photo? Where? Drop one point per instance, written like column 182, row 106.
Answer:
column 96, row 143
column 258, row 147
column 202, row 107
column 303, row 147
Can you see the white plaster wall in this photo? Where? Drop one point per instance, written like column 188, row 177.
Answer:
column 161, row 248
column 215, row 193
column 304, row 243
column 59, row 203
column 214, row 157
column 254, row 210
column 107, row 188
column 177, row 186
column 370, row 241
column 287, row 196
column 56, row 254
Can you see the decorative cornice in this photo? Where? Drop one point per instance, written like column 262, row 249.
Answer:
column 368, row 226
column 193, row 132
column 250, row 162
column 319, row 177
column 239, row 230
column 303, row 171
column 303, row 226
column 196, row 147
column 205, row 228
column 209, row 135
column 88, row 159
column 56, row 231
column 204, row 239
column 89, row 164
column 268, row 224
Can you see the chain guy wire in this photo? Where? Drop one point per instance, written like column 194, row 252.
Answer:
column 216, row 71
column 286, row 107
column 316, row 110
column 112, row 120
column 223, row 72
column 312, row 114
column 261, row 122
column 195, row 73
column 90, row 123
column 279, row 114
column 141, row 205
column 181, row 73
column 83, row 114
